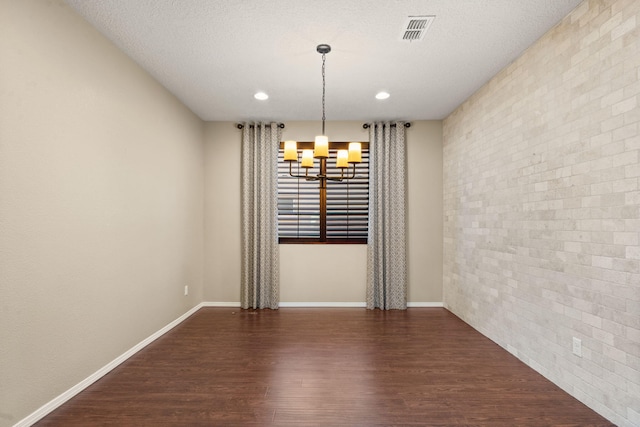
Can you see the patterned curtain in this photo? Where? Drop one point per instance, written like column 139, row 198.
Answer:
column 260, row 269
column 386, row 249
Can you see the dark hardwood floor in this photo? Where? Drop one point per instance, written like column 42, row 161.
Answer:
column 323, row 367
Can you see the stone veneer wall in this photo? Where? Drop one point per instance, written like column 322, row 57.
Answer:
column 541, row 207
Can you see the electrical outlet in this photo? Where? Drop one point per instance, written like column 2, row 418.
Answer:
column 186, row 290
column 577, row 346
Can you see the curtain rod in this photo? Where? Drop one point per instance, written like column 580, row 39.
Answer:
column 367, row 125
column 241, row 126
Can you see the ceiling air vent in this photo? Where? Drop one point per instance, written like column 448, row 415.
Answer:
column 415, row 27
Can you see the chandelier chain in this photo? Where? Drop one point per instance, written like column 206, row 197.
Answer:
column 323, row 91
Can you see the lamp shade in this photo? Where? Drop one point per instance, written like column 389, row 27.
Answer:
column 355, row 152
column 342, row 161
column 321, row 147
column 307, row 159
column 290, row 151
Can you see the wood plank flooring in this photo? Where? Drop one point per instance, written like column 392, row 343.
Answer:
column 323, row 367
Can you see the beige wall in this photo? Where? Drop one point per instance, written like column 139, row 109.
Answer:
column 101, row 183
column 323, row 273
column 542, row 207
column 222, row 212
column 424, row 199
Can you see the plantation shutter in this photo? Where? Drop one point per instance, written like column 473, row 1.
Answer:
column 348, row 201
column 298, row 202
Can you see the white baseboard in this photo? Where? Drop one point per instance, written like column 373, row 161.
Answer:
column 220, row 304
column 425, row 304
column 62, row 398
column 322, row 304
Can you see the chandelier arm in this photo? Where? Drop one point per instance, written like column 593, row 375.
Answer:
column 342, row 177
column 305, row 176
column 335, row 178
column 354, row 172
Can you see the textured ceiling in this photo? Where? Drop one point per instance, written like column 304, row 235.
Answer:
column 215, row 54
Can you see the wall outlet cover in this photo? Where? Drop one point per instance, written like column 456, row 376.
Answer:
column 577, row 346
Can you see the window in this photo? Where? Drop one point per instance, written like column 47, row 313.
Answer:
column 307, row 214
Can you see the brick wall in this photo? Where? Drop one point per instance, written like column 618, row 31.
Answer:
column 542, row 207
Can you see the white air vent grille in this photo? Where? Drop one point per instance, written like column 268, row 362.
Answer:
column 415, row 27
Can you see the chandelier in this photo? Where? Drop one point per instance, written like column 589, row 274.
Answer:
column 320, row 150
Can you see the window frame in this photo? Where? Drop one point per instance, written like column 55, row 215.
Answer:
column 323, row 239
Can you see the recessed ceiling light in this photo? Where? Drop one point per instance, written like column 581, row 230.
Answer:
column 382, row 95
column 261, row 96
